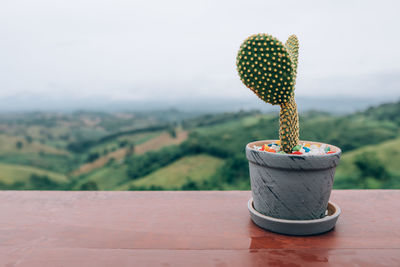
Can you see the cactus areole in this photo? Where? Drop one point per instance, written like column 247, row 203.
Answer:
column 268, row 67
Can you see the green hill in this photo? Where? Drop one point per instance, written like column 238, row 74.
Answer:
column 372, row 166
column 387, row 152
column 35, row 148
column 108, row 177
column 184, row 173
column 385, row 112
column 21, row 176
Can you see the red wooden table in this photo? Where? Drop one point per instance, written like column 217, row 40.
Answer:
column 186, row 229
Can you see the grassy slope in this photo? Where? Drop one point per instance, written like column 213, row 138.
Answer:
column 148, row 143
column 8, row 145
column 387, row 152
column 195, row 168
column 106, row 178
column 136, row 139
column 34, row 154
column 10, row 173
column 110, row 176
column 163, row 140
column 232, row 124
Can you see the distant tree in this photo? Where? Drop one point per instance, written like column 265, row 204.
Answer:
column 370, row 165
column 155, row 188
column 18, row 185
column 130, row 150
column 172, row 132
column 136, row 188
column 28, row 139
column 92, row 157
column 123, row 143
column 144, row 188
column 19, row 144
column 190, row 185
column 42, row 182
column 89, row 186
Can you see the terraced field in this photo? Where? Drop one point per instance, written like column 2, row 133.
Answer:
column 10, row 173
column 8, row 144
column 108, row 177
column 191, row 168
column 157, row 142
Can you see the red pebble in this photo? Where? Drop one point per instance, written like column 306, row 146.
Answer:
column 297, row 153
column 271, row 150
column 330, row 152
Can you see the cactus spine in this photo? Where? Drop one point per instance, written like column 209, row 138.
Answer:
column 269, row 69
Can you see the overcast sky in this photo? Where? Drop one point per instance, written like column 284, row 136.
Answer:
column 142, row 50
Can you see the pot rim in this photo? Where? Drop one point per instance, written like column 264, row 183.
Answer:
column 250, row 146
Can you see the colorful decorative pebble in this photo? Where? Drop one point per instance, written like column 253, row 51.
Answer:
column 300, row 149
column 297, row 153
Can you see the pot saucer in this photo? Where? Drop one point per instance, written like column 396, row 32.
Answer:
column 296, row 227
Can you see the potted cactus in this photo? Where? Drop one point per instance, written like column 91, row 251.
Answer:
column 290, row 179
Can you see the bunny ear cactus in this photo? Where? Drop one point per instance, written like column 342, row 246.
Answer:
column 268, row 67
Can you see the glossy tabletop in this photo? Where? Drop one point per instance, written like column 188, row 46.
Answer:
column 206, row 228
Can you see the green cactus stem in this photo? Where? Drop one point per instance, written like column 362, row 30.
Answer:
column 269, row 69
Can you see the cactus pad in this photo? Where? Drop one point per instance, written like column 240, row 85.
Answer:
column 292, row 46
column 265, row 66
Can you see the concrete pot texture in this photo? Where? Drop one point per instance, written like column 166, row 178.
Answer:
column 292, row 187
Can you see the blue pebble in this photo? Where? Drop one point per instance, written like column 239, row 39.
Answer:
column 306, row 149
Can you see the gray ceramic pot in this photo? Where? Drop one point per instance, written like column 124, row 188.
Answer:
column 293, row 187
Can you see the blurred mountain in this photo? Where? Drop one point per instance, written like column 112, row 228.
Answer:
column 336, row 105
